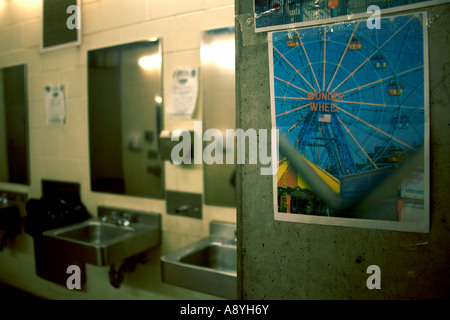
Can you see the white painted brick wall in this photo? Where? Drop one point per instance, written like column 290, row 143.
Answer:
column 61, row 151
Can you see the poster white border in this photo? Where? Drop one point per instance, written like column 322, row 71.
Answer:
column 348, row 18
column 424, row 225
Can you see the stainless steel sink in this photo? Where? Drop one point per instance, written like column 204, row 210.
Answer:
column 216, row 255
column 208, row 265
column 100, row 242
column 95, row 232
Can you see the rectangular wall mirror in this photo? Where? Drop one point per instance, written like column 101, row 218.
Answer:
column 124, row 88
column 219, row 110
column 14, row 156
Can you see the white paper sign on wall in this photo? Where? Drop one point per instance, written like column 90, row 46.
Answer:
column 54, row 104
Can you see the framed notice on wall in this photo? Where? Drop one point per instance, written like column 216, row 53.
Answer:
column 281, row 14
column 351, row 106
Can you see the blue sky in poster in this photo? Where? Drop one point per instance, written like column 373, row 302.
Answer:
column 370, row 83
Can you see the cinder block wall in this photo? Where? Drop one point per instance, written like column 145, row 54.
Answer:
column 281, row 260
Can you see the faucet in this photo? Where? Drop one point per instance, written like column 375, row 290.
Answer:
column 181, row 209
column 4, row 198
column 111, row 218
column 125, row 220
column 120, row 220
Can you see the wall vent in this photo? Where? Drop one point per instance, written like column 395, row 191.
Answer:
column 55, row 33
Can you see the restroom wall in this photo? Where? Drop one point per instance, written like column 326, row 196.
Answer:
column 284, row 260
column 61, row 152
column 4, row 175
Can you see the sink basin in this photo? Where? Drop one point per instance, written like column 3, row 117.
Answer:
column 216, row 255
column 208, row 265
column 103, row 243
column 95, row 232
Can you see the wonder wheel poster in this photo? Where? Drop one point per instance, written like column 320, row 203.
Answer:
column 351, row 106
